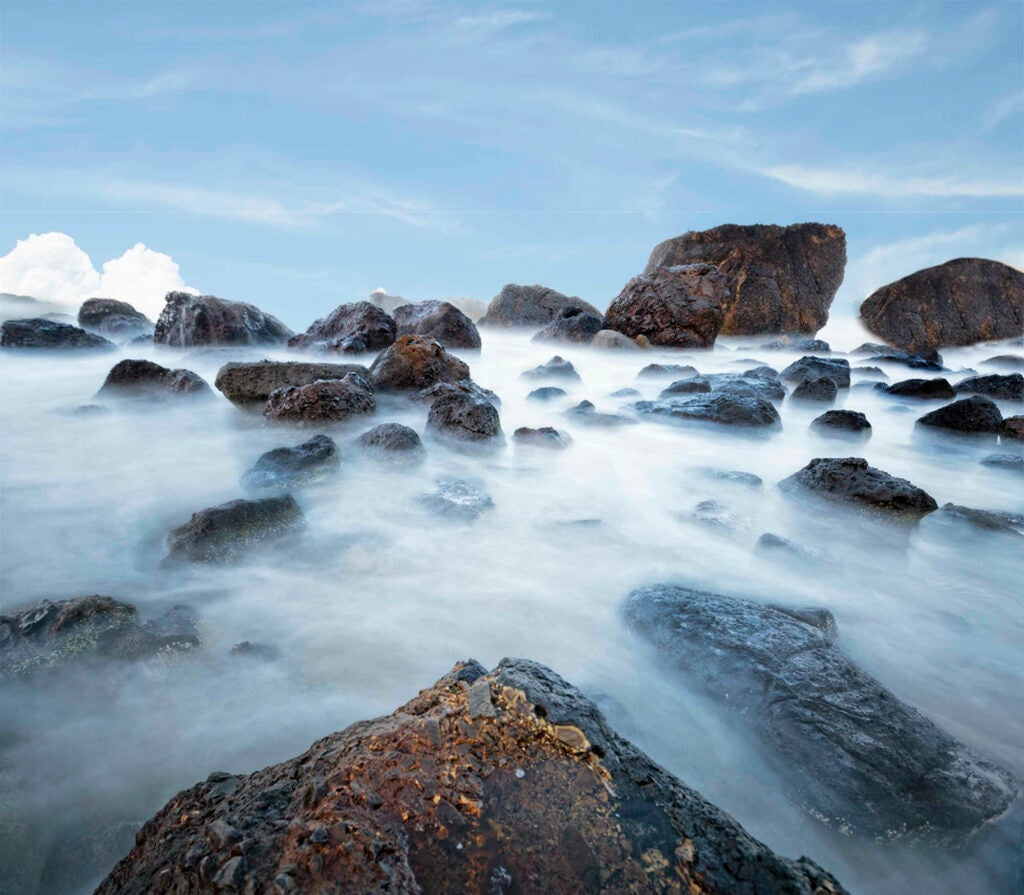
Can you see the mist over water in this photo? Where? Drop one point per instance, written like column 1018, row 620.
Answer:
column 378, row 598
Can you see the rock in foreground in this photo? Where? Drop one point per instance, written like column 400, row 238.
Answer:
column 189, row 320
column 144, row 379
column 250, row 384
column 463, row 419
column 731, row 409
column 439, row 320
column 289, row 466
column 393, row 443
column 40, row 333
column 325, row 401
column 503, row 782
column 974, row 416
column 530, row 306
column 413, row 363
column 226, row 532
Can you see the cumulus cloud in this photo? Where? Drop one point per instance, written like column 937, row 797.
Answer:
column 51, row 267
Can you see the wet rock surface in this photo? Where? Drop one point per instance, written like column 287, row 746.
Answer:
column 41, row 334
column 225, row 533
column 571, row 325
column 188, row 320
column 1007, row 388
column 990, row 520
column 114, row 319
column 835, row 368
column 822, row 388
column 1009, row 462
column 726, row 408
column 556, row 368
column 465, row 419
column 838, row 422
column 760, row 382
column 352, row 328
column 522, row 306
column 439, row 320
column 413, row 363
column 903, row 777
column 286, row 467
column 145, row 379
column 324, row 401
column 461, row 500
column 502, row 781
column 393, row 443
column 250, row 384
column 462, row 387
column 797, row 343
column 975, row 415
column 923, row 389
column 676, row 371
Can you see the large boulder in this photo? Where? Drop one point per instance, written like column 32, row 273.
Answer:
column 725, row 408
column 465, row 419
column 823, row 388
column 250, row 384
column 145, row 379
column 40, row 333
column 571, row 325
column 189, row 320
column 113, row 318
column 349, row 329
column 680, row 306
column 324, row 401
column 227, row 532
column 286, row 467
column 974, row 415
column 960, row 302
column 508, row 781
column 413, row 363
column 923, row 389
column 530, row 306
column 439, row 320
column 393, row 443
column 858, row 758
column 1007, row 388
column 783, row 278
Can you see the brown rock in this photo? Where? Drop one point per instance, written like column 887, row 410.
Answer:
column 414, row 363
column 530, row 306
column 188, row 320
column 325, row 401
column 250, row 384
column 349, row 329
column 1012, row 429
column 144, row 379
column 439, row 320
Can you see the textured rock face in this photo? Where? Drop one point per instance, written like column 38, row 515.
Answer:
column 989, row 520
column 571, row 325
column 679, row 306
column 530, row 306
column 1012, row 429
column 188, row 320
column 289, row 466
column 465, row 418
column 250, row 384
column 823, row 388
column 348, row 329
column 503, row 782
column 842, row 422
column 835, row 368
column 113, row 318
column 960, row 302
column 325, row 401
column 439, row 320
column 224, row 533
column 974, row 415
column 860, row 760
column 393, row 443
column 556, row 368
column 851, row 480
column 1008, row 388
column 783, row 278
column 462, row 387
column 144, row 379
column 39, row 333
column 725, row 408
column 414, row 363
column 750, row 382
column 924, row 389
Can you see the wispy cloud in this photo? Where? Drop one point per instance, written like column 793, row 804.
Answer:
column 1010, row 106
column 499, row 19
column 833, row 181
column 260, row 31
column 865, row 59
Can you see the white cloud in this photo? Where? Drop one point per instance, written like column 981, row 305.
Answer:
column 863, row 181
column 51, row 267
column 499, row 19
column 866, row 59
column 1003, row 109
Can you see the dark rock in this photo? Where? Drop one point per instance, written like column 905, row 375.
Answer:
column 462, row 387
column 250, row 384
column 586, row 414
column 545, row 437
column 625, row 393
column 676, row 371
column 961, row 302
column 414, row 363
column 556, row 368
column 188, row 320
column 850, row 480
column 859, row 759
column 439, row 320
column 264, row 652
column 571, row 325
column 224, row 533
column 459, row 499
column 465, row 419
column 870, row 371
column 972, row 415
column 1012, row 429
column 823, row 388
column 784, row 278
column 352, row 328
column 393, row 443
column 609, row 338
column 842, row 422
column 727, row 408
column 1009, row 388
column 113, row 318
column 751, row 383
column 546, row 393
column 509, row 781
column 774, row 543
column 1005, row 360
column 678, row 307
column 736, row 477
column 289, row 466
column 1010, row 462
column 699, row 385
column 38, row 333
column 144, row 379
column 530, row 306
column 835, row 368
column 990, row 520
column 931, row 361
column 924, row 389
column 796, row 343
column 325, row 401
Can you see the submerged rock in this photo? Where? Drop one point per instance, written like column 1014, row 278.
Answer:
column 1010, row 462
column 990, row 520
column 797, row 343
column 547, row 393
column 676, row 371
column 250, row 384
column 1005, row 360
column 286, row 467
column 586, row 414
column 970, row 415
column 226, row 532
column 821, row 388
column 530, row 306
column 506, row 781
column 1008, row 388
column 351, row 328
column 731, row 409
column 609, row 338
column 413, row 363
column 144, row 379
column 860, row 760
column 113, row 318
column 760, row 382
column 930, row 360
column 923, row 389
column 545, row 437
column 835, row 368
column 325, row 401
column 393, row 443
column 463, row 500
column 556, row 368
column 842, row 422
column 465, row 419
column 571, row 325
column 439, row 320
column 188, row 320
column 735, row 477
column 42, row 334
column 1012, row 429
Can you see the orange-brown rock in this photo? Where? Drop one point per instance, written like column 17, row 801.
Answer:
column 415, row 362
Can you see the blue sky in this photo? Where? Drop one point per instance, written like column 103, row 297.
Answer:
column 298, row 155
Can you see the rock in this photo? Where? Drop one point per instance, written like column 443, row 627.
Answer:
column 545, row 437
column 774, row 543
column 625, row 393
column 1009, row 462
column 961, row 302
column 586, row 414
column 715, row 514
column 352, row 328
column 556, row 368
column 413, row 363
column 1012, row 429
column 835, row 368
column 841, row 422
column 438, row 320
column 696, row 386
column 860, row 760
column 250, row 384
column 923, row 389
column 530, row 306
column 38, row 333
column 749, row 383
column 876, row 372
column 393, row 443
column 264, row 652
column 113, row 318
column 784, row 278
column 465, row 419
column 850, row 480
column 1008, row 388
column 462, row 387
column 506, row 781
column 990, row 520
column 463, row 500
column 678, row 307
column 735, row 477
column 931, row 361
column 324, row 401
column 797, row 343
column 822, row 388
column 676, row 371
column 188, row 320
column 144, row 379
column 973, row 415
column 226, row 532
column 286, row 467
column 731, row 409
column 571, row 325
column 608, row 338
column 1005, row 360
column 546, row 393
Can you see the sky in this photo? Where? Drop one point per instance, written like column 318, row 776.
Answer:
column 299, row 155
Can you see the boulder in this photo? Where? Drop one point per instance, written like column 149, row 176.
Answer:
column 508, row 781
column 724, row 408
column 841, row 422
column 989, row 520
column 463, row 387
column 250, row 384
column 349, row 329
column 324, row 401
column 784, row 278
column 1012, row 429
column 676, row 371
column 547, row 393
column 1007, row 388
column 413, row 363
column 586, row 414
column 677, row 307
column 226, row 532
column 556, row 368
column 1009, row 361
column 144, row 379
column 465, row 419
column 286, row 467
column 971, row 415
column 821, row 388
column 116, row 319
column 544, row 437
column 923, row 389
column 851, row 481
column 835, row 368
column 39, row 333
column 530, row 306
column 1009, row 462
column 750, row 382
column 188, row 320
column 462, row 500
column 858, row 759
column 608, row 338
column 961, row 302
column 797, row 343
column 931, row 361
column 393, row 443
column 438, row 320
column 571, row 325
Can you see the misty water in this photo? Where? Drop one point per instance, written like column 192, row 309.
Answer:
column 379, row 598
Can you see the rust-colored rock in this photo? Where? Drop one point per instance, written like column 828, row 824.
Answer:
column 323, row 401
column 414, row 363
column 440, row 320
column 502, row 782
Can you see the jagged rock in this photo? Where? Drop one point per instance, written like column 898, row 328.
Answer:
column 676, row 371
column 226, row 532
column 586, row 414
column 842, row 422
column 494, row 782
column 144, row 379
column 324, row 401
column 1008, row 388
column 544, row 437
column 463, row 387
column 850, row 480
column 821, row 388
column 250, row 384
column 972, row 415
column 439, row 320
column 784, row 278
column 393, row 443
column 726, row 408
column 352, row 328
column 1012, row 429
column 530, row 306
column 286, row 467
column 797, row 343
column 110, row 317
column 556, row 368
column 990, row 520
column 835, row 368
column 608, row 338
column 961, row 302
column 546, row 393
column 571, row 325
column 859, row 759
column 413, row 363
column 465, row 419
column 39, row 333
column 463, row 500
column 188, row 320
column 924, row 389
